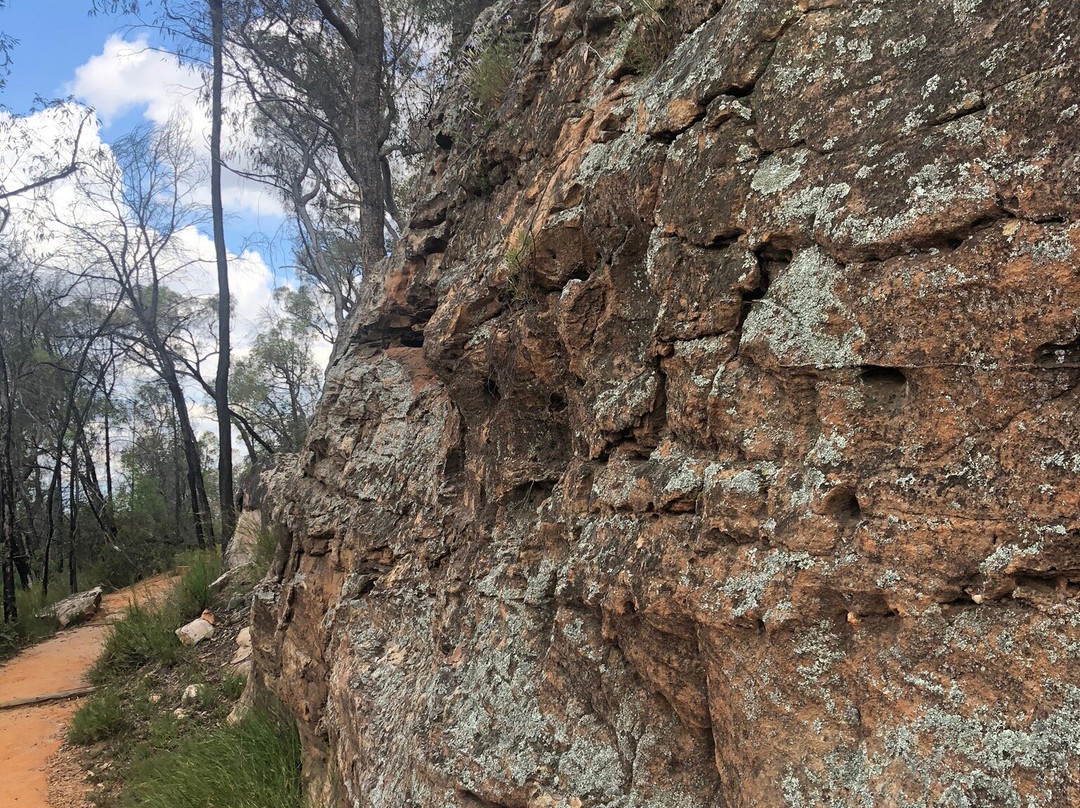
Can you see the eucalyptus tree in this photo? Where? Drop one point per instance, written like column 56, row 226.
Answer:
column 127, row 233
column 196, row 28
column 336, row 90
column 278, row 383
column 25, row 306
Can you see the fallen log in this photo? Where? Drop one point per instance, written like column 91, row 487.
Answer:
column 33, row 701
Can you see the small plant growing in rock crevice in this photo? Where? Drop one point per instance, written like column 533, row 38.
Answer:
column 519, row 283
column 488, row 75
column 647, row 35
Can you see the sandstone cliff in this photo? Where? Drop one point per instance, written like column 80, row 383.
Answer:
column 710, row 439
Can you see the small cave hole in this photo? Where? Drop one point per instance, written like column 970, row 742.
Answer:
column 444, row 141
column 556, row 403
column 412, row 339
column 877, row 376
column 842, row 503
column 433, row 245
column 491, row 388
column 1058, row 354
column 885, row 387
column 769, row 254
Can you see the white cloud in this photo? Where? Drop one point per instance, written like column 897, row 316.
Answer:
column 251, row 284
column 33, row 145
column 130, row 75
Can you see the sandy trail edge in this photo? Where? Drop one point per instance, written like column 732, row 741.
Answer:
column 30, row 736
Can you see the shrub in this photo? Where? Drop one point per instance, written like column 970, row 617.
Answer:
column 28, row 628
column 253, row 764
column 265, row 547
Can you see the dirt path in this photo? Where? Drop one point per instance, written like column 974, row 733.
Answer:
column 31, row 735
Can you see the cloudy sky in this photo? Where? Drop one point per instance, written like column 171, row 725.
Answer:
column 103, row 64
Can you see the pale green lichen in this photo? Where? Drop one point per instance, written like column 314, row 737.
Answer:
column 796, row 319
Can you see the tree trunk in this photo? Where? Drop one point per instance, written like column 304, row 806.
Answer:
column 45, row 569
column 73, row 520
column 7, row 499
column 369, row 112
column 99, row 506
column 11, row 608
column 221, row 383
column 108, row 454
column 200, row 505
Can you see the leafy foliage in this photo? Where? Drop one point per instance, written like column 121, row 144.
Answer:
column 277, row 384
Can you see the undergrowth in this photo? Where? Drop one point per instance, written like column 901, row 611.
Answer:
column 103, row 716
column 252, row 764
column 28, row 628
column 146, row 633
column 165, row 751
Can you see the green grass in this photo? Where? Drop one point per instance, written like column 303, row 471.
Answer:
column 103, row 716
column 648, row 37
column 162, row 757
column 193, row 593
column 253, row 764
column 519, row 252
column 147, row 633
column 232, row 686
column 265, row 547
column 488, row 75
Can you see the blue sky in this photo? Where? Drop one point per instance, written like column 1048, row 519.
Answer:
column 55, row 37
column 58, row 38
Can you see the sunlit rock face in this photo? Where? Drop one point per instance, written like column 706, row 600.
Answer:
column 711, row 437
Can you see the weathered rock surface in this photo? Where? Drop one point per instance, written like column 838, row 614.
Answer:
column 195, row 632
column 710, row 438
column 76, row 608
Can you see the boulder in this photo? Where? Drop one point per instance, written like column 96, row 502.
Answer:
column 75, row 609
column 242, row 658
column 193, row 695
column 195, row 632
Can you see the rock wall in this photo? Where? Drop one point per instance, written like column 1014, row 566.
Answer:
column 710, row 438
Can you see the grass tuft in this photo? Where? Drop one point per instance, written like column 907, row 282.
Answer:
column 489, row 73
column 102, row 717
column 146, row 634
column 252, row 764
column 193, row 593
column 519, row 283
column 143, row 636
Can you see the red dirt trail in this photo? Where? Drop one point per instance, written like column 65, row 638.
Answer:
column 30, row 736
